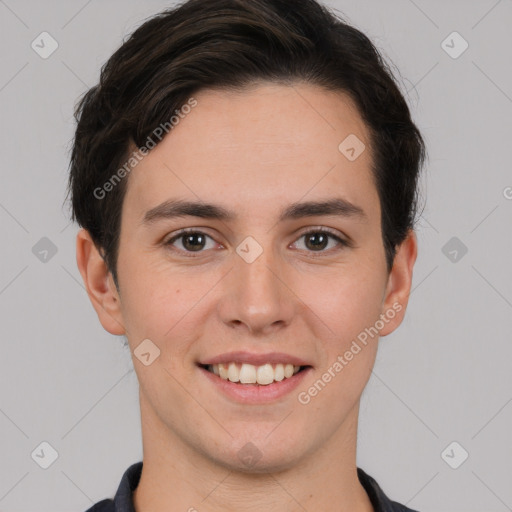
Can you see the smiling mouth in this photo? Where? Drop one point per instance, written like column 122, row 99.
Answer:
column 248, row 374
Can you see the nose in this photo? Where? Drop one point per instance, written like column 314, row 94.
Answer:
column 255, row 295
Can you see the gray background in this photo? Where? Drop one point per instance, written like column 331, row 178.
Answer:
column 444, row 376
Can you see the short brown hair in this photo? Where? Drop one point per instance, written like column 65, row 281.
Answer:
column 230, row 44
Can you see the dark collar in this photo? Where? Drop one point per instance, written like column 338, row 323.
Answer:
column 123, row 499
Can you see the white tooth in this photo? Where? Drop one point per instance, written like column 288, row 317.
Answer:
column 233, row 372
column 279, row 372
column 265, row 374
column 288, row 370
column 248, row 374
column 223, row 371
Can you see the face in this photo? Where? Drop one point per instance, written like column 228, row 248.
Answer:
column 264, row 272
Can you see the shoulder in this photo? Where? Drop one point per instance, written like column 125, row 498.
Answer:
column 379, row 500
column 102, row 506
column 122, row 501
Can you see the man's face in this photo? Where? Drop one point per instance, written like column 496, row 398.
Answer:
column 307, row 295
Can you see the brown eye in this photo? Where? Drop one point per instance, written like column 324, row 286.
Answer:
column 190, row 241
column 318, row 240
column 193, row 241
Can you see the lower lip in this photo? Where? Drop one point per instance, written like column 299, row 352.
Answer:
column 255, row 393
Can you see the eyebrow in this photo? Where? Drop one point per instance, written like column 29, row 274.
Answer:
column 175, row 208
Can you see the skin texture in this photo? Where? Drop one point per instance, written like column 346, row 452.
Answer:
column 253, row 152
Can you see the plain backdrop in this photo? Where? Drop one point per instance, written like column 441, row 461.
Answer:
column 442, row 386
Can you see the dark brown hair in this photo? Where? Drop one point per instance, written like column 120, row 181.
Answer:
column 230, row 44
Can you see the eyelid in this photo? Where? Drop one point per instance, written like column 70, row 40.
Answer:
column 185, row 231
column 342, row 241
column 323, row 229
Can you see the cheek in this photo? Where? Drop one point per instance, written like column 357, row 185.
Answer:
column 350, row 306
column 346, row 301
column 152, row 301
column 164, row 305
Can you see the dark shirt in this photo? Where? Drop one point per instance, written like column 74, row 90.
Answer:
column 123, row 502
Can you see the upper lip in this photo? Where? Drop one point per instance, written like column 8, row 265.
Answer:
column 255, row 359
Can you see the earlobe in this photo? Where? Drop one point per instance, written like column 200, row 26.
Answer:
column 399, row 284
column 99, row 284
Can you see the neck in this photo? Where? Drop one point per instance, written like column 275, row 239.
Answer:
column 177, row 476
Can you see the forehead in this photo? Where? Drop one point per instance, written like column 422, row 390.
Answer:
column 258, row 148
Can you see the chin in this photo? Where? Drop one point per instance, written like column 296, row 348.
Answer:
column 263, row 466
column 261, row 455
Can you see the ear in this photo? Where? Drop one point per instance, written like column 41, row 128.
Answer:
column 99, row 284
column 398, row 287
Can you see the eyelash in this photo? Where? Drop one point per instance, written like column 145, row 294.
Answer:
column 192, row 254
